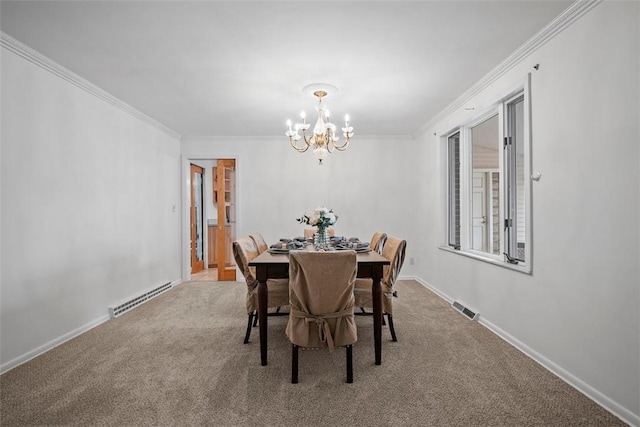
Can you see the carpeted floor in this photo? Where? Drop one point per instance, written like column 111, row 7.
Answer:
column 179, row 360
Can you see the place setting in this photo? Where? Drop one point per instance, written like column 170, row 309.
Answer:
column 335, row 243
column 285, row 245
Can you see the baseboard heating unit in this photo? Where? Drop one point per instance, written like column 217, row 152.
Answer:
column 465, row 311
column 131, row 303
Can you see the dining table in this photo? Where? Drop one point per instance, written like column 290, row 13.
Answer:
column 271, row 265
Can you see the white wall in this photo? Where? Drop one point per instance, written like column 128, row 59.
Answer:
column 578, row 312
column 371, row 186
column 88, row 193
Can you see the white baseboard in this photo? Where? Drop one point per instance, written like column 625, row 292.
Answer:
column 5, row 367
column 51, row 344
column 575, row 382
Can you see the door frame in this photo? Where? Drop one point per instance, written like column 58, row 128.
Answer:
column 185, row 186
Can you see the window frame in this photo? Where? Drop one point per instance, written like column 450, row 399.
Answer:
column 453, row 219
column 511, row 181
column 508, row 238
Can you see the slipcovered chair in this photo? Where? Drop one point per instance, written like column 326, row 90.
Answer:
column 394, row 250
column 321, row 296
column 244, row 251
column 377, row 241
column 260, row 242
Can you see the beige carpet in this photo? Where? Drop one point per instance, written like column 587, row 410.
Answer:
column 179, row 360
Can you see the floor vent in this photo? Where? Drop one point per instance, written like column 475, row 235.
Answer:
column 134, row 302
column 464, row 310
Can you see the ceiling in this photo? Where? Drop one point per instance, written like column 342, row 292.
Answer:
column 238, row 68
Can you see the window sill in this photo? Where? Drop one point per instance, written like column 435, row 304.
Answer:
column 521, row 268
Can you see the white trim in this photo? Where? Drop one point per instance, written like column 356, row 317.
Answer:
column 5, row 367
column 244, row 138
column 598, row 397
column 575, row 382
column 54, row 68
column 488, row 258
column 51, row 344
column 555, row 27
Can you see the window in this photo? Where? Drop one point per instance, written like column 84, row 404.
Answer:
column 488, row 202
column 515, row 218
column 453, row 154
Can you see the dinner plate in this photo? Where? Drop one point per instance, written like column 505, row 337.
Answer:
column 359, row 250
column 278, row 250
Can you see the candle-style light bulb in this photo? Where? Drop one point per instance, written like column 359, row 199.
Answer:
column 327, row 114
column 346, row 119
column 303, row 116
column 289, row 124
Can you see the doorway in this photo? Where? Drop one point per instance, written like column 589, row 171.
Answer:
column 197, row 219
column 215, row 179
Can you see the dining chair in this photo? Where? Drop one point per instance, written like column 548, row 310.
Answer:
column 394, row 250
column 321, row 297
column 309, row 232
column 244, row 251
column 377, row 241
column 261, row 244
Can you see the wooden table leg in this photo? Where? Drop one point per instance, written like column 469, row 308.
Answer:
column 376, row 293
column 263, row 295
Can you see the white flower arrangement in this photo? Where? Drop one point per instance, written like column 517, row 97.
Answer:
column 321, row 217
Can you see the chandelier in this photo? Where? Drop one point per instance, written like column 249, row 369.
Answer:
column 324, row 139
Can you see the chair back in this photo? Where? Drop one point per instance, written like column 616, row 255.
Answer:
column 258, row 239
column 321, row 298
column 244, row 251
column 394, row 250
column 377, row 241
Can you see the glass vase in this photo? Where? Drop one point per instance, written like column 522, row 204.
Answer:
column 321, row 239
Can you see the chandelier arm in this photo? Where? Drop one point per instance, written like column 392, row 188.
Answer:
column 307, row 140
column 329, row 149
column 343, row 146
column 328, row 143
column 299, row 149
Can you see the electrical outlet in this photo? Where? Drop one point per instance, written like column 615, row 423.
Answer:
column 411, row 261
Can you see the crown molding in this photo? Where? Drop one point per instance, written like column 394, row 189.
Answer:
column 48, row 64
column 269, row 138
column 555, row 27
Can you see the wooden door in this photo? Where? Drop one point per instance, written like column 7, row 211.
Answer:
column 225, row 199
column 197, row 219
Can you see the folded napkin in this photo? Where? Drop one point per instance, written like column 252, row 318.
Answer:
column 352, row 245
column 285, row 240
column 294, row 244
column 300, row 239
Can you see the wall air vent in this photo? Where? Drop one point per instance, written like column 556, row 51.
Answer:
column 465, row 311
column 119, row 309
